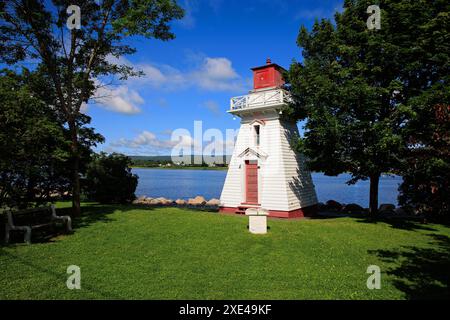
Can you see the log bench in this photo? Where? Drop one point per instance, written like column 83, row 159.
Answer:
column 33, row 219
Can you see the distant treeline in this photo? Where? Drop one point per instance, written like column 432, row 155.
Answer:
column 159, row 161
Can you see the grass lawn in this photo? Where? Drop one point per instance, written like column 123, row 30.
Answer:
column 168, row 253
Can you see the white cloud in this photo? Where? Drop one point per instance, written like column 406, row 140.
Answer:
column 84, row 108
column 217, row 74
column 121, row 99
column 212, row 74
column 212, row 106
column 144, row 139
column 179, row 143
column 219, row 68
column 160, row 77
column 148, row 141
column 188, row 21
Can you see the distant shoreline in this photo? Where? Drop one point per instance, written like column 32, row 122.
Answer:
column 182, row 168
column 218, row 169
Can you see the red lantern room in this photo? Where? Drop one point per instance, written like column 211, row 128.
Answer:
column 268, row 76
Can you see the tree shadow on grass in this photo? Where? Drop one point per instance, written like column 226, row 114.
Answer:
column 93, row 213
column 409, row 224
column 90, row 213
column 421, row 273
column 324, row 215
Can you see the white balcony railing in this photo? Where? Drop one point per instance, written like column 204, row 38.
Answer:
column 268, row 98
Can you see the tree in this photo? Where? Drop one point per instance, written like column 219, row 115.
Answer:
column 32, row 143
column 77, row 60
column 426, row 178
column 109, row 179
column 356, row 87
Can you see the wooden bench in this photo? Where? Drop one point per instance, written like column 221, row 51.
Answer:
column 32, row 219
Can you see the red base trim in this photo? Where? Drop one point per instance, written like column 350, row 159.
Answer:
column 298, row 213
column 227, row 210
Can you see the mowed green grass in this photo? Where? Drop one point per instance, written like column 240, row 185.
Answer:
column 128, row 252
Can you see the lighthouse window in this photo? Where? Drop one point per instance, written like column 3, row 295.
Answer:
column 257, row 135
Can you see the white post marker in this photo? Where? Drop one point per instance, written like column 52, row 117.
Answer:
column 257, row 219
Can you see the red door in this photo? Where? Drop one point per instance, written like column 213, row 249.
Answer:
column 251, row 182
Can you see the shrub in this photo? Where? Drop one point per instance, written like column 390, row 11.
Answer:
column 109, row 179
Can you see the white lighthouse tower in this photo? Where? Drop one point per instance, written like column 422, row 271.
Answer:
column 264, row 171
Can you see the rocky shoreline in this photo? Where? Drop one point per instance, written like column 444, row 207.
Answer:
column 331, row 208
column 198, row 202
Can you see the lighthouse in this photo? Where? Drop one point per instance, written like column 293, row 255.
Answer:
column 264, row 171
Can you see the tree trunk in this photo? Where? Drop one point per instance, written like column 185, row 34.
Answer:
column 373, row 202
column 76, row 206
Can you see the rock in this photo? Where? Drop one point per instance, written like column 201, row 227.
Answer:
column 154, row 202
column 169, row 202
column 147, row 201
column 140, row 200
column 197, row 201
column 163, row 201
column 386, row 207
column 180, row 202
column 333, row 205
column 213, row 203
column 352, row 208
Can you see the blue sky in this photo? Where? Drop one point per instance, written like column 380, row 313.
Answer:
column 193, row 77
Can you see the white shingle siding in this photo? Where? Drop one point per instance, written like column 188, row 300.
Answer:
column 284, row 183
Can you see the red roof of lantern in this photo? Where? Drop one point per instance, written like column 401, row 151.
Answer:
column 268, row 76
